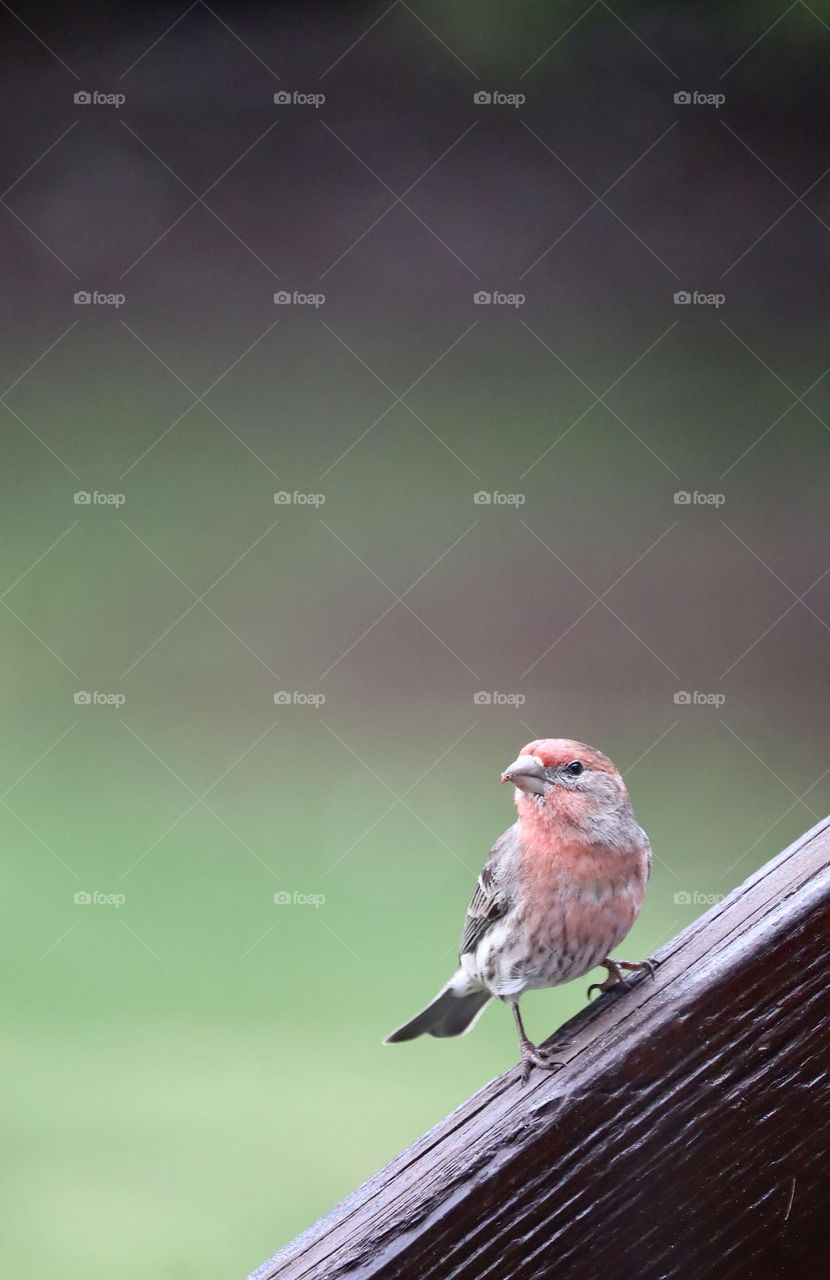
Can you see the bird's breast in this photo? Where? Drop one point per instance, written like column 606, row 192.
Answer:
column 573, row 906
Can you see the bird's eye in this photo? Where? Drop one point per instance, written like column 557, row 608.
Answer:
column 575, row 768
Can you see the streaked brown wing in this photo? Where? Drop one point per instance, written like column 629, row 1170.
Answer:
column 489, row 902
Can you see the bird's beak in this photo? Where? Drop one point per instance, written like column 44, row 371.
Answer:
column 528, row 774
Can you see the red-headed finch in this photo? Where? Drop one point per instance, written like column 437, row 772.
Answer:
column 559, row 891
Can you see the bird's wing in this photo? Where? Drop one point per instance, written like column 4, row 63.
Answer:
column 649, row 857
column 492, row 897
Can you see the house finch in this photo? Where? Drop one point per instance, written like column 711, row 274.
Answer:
column 559, row 891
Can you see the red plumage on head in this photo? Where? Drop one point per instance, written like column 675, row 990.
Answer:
column 557, row 751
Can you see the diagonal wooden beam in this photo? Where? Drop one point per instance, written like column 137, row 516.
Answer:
column 687, row 1136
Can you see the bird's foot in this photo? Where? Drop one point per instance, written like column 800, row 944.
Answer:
column 616, row 981
column 542, row 1058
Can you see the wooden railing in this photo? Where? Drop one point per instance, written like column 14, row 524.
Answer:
column 688, row 1135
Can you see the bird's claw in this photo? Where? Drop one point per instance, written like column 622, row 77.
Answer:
column 541, row 1058
column 618, row 985
column 648, row 966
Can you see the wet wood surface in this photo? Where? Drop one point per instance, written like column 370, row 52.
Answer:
column 687, row 1136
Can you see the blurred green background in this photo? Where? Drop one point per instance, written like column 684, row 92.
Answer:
column 194, row 1067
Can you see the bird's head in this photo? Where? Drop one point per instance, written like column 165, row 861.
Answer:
column 565, row 781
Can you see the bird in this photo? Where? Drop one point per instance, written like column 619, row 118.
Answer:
column 558, row 893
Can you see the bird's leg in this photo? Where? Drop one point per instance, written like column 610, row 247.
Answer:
column 531, row 1055
column 650, row 966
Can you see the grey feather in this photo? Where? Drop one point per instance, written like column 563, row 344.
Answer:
column 447, row 1015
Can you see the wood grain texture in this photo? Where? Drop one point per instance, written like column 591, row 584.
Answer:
column 687, row 1136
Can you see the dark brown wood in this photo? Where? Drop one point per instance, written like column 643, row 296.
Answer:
column 688, row 1135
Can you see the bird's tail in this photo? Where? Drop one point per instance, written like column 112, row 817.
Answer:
column 447, row 1015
